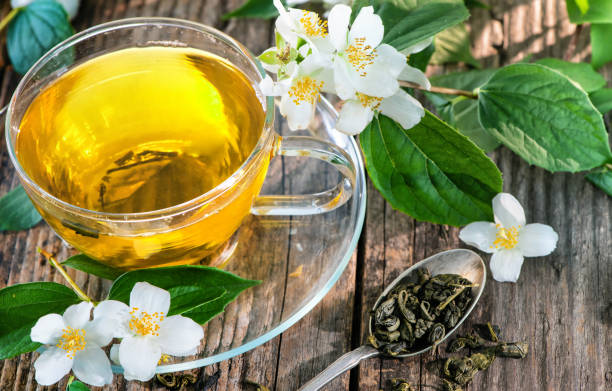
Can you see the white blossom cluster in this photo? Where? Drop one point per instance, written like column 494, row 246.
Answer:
column 312, row 56
column 148, row 336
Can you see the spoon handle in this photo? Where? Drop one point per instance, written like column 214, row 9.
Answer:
column 338, row 367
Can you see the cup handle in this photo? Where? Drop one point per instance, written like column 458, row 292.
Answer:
column 310, row 204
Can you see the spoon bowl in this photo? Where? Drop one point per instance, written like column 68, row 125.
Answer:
column 463, row 262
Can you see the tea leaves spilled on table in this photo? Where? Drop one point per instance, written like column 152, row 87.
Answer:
column 456, row 372
column 415, row 315
column 484, row 347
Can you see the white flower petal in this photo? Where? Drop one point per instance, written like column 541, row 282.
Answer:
column 402, row 108
column 314, row 62
column 342, row 81
column 480, row 234
column 508, row 211
column 417, row 47
column 269, row 88
column 139, row 357
column 390, row 59
column 381, row 76
column 118, row 312
column 149, row 298
column 353, row 117
column 414, row 75
column 279, row 7
column 48, row 329
column 273, row 68
column 77, row 315
column 91, row 366
column 20, row 3
column 179, row 336
column 114, row 354
column 326, row 75
column 51, row 366
column 298, row 115
column 537, row 240
column 285, row 26
column 506, row 265
column 337, row 23
column 111, row 309
column 367, row 25
column 101, row 331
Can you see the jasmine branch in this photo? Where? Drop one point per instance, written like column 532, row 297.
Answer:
column 440, row 90
column 64, row 274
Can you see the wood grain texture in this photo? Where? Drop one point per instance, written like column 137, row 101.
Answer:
column 562, row 304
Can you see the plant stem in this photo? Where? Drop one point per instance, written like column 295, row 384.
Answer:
column 64, row 274
column 452, row 297
column 7, row 19
column 441, row 90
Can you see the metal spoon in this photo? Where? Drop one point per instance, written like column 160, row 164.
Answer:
column 463, row 262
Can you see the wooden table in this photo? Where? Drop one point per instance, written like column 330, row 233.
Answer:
column 562, row 304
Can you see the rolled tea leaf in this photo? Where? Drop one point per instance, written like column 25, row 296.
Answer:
column 448, row 385
column 421, row 328
column 512, row 349
column 451, row 315
column 436, row 333
column 488, row 331
column 460, row 370
column 482, row 361
column 401, row 385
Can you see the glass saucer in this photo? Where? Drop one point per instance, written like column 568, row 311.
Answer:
column 298, row 259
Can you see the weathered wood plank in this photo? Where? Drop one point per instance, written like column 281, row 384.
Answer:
column 561, row 304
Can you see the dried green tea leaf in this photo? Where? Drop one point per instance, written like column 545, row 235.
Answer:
column 512, row 349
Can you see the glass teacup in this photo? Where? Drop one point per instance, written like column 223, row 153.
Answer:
column 198, row 229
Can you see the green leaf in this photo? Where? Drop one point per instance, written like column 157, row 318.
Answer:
column 404, row 29
column 601, row 52
column 263, row 9
column 544, row 118
column 198, row 292
column 602, row 178
column 583, row 5
column 85, row 264
column 465, row 119
column 581, row 73
column 17, row 211
column 602, row 99
column 34, row 30
column 452, row 46
column 21, row 306
column 430, row 171
column 597, row 11
column 77, row 386
column 421, row 59
column 461, row 112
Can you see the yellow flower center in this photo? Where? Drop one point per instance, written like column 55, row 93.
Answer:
column 313, row 25
column 369, row 101
column 506, row 237
column 360, row 55
column 163, row 359
column 305, row 89
column 143, row 323
column 72, row 341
